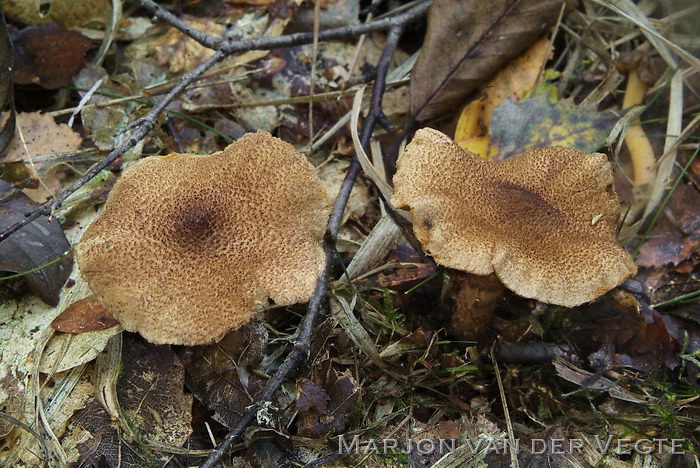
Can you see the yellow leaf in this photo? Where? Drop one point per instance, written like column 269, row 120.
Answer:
column 513, row 81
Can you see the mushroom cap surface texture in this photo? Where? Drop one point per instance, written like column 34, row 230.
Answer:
column 190, row 247
column 545, row 222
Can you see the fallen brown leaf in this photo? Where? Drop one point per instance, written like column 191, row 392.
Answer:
column 221, row 375
column 323, row 408
column 85, row 315
column 48, row 55
column 676, row 235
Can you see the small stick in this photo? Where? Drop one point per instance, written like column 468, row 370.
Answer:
column 288, row 40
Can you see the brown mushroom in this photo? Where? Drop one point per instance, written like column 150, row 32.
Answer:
column 545, row 223
column 189, row 247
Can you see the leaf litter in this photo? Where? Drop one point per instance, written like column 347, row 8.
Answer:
column 383, row 363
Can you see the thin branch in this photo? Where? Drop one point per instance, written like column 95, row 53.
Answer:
column 224, row 49
column 303, row 341
column 274, row 42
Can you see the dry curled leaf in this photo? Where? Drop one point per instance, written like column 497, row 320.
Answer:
column 482, row 36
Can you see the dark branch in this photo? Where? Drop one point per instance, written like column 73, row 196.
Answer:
column 273, row 42
column 303, row 341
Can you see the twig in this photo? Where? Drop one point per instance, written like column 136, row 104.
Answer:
column 303, row 341
column 273, row 42
column 224, row 49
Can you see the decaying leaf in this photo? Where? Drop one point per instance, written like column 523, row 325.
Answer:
column 12, row 396
column 83, row 316
column 676, row 235
column 67, row 13
column 482, row 36
column 37, row 138
column 622, row 332
column 105, row 125
column 151, row 400
column 40, row 242
column 536, row 123
column 151, row 391
column 97, row 440
column 221, row 375
column 323, row 408
column 49, row 55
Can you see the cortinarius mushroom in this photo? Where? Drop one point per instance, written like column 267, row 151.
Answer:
column 189, row 247
column 545, row 223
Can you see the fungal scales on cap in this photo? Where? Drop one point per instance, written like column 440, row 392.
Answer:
column 544, row 222
column 189, row 247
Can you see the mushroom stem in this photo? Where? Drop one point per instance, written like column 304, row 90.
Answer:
column 475, row 299
column 639, row 147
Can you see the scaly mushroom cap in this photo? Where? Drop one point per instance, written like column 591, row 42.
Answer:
column 544, row 222
column 189, row 247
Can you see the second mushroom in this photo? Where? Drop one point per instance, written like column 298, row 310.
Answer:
column 544, row 223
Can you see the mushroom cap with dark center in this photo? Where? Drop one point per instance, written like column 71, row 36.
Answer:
column 545, row 222
column 189, row 247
